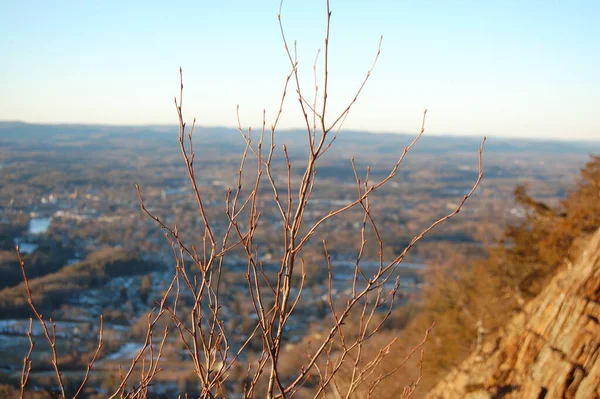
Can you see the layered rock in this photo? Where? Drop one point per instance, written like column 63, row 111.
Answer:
column 550, row 350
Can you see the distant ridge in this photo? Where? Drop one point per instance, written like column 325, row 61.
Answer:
column 348, row 140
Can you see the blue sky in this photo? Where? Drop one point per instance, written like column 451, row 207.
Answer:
column 509, row 68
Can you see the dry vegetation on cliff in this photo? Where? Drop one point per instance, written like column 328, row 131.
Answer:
column 472, row 302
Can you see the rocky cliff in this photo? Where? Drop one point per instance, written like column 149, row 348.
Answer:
column 550, row 350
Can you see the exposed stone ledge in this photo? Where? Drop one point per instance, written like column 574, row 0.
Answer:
column 550, row 350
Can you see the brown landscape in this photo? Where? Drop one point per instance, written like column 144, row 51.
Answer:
column 188, row 261
column 89, row 250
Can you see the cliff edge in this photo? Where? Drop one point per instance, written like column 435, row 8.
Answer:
column 550, row 350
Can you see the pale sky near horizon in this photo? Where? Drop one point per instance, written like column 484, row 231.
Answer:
column 509, row 68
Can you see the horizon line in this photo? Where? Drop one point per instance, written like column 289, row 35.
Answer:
column 445, row 134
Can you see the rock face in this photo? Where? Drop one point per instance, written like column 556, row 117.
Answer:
column 550, row 350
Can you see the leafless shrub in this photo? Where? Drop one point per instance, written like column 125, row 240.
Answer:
column 51, row 338
column 200, row 269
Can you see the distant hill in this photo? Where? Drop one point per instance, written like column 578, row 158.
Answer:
column 229, row 139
